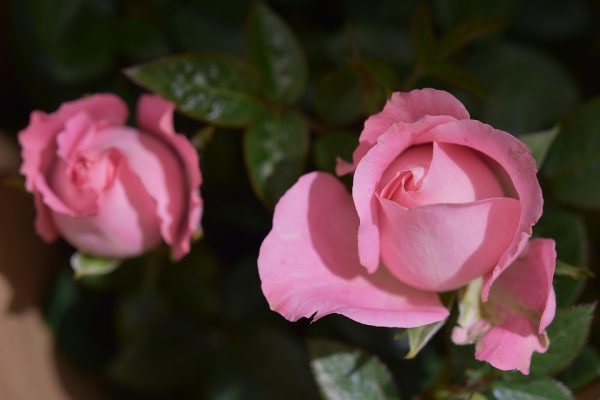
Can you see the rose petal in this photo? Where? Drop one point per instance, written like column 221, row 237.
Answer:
column 523, row 300
column 406, row 108
column 80, row 127
column 510, row 346
column 37, row 140
column 44, row 224
column 367, row 178
column 38, row 149
column 516, row 160
column 126, row 224
column 157, row 166
column 155, row 115
column 529, row 281
column 444, row 246
column 455, row 174
column 308, row 263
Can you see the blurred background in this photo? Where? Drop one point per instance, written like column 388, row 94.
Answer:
column 201, row 329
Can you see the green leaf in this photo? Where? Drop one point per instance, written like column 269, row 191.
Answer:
column 578, row 273
column 213, row 88
column 275, row 150
column 573, row 164
column 420, row 336
column 329, row 146
column 540, row 143
column 466, row 32
column 583, row 371
column 277, row 55
column 338, row 98
column 343, row 372
column 568, row 334
column 544, row 389
column 470, row 307
column 352, row 90
column 88, row 265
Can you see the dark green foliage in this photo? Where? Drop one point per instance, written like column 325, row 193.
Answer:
column 268, row 90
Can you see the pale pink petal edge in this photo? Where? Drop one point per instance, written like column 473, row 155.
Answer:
column 155, row 114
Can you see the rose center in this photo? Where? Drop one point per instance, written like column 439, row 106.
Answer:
column 439, row 173
column 93, row 172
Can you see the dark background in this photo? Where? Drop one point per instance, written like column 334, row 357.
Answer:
column 201, row 329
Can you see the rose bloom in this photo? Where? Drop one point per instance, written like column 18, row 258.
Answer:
column 439, row 202
column 109, row 189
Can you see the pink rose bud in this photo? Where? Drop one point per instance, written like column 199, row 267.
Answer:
column 438, row 200
column 109, row 189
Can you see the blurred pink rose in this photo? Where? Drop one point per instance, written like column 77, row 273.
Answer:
column 438, row 200
column 109, row 189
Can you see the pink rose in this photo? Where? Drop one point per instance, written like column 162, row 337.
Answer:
column 109, row 189
column 438, row 201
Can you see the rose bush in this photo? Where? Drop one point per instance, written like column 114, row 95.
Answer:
column 439, row 201
column 108, row 189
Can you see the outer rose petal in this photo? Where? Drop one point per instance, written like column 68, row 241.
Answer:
column 308, row 263
column 410, row 107
column 518, row 163
column 406, row 108
column 523, row 299
column 38, row 147
column 155, row 115
column 44, row 225
column 510, row 346
column 442, row 247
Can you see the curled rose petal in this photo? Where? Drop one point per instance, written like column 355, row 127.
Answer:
column 156, row 115
column 445, row 173
column 522, row 304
